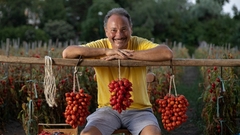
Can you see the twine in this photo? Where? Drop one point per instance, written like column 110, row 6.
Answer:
column 221, row 124
column 35, row 90
column 75, row 74
column 172, row 80
column 30, row 112
column 76, row 77
column 119, row 70
column 30, row 109
column 49, row 83
column 222, row 84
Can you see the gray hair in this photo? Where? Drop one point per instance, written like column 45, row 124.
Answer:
column 118, row 11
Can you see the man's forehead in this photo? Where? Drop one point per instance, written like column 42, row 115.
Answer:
column 118, row 20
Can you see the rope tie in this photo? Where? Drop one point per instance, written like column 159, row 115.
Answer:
column 49, row 83
column 77, row 80
column 75, row 74
column 172, row 80
column 222, row 84
column 119, row 70
column 31, row 112
column 221, row 124
column 35, row 90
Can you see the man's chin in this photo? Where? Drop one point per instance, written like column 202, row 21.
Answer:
column 120, row 46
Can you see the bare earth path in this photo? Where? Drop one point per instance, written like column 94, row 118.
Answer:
column 13, row 127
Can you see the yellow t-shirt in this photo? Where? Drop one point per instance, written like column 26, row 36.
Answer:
column 136, row 75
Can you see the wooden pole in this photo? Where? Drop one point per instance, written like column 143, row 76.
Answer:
column 8, row 47
column 124, row 63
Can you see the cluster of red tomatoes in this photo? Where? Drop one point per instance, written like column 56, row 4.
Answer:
column 77, row 108
column 120, row 94
column 173, row 110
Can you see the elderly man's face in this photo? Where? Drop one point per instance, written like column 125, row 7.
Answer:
column 118, row 30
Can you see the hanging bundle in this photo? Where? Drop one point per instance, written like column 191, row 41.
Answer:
column 173, row 108
column 49, row 83
column 78, row 102
column 120, row 92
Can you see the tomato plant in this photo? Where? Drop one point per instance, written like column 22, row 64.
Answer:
column 220, row 97
column 22, row 83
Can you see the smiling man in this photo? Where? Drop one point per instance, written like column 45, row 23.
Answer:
column 120, row 44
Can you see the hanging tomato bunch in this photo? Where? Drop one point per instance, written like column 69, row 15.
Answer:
column 77, row 108
column 173, row 110
column 120, row 94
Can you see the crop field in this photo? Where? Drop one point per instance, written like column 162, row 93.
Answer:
column 212, row 92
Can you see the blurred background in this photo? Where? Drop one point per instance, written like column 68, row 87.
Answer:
column 190, row 22
column 197, row 29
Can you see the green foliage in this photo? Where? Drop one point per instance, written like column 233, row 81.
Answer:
column 92, row 27
column 7, row 33
column 28, row 33
column 76, row 11
column 25, row 33
column 53, row 10
column 235, row 38
column 221, row 91
column 143, row 20
column 143, row 32
column 59, row 30
column 13, row 12
column 178, row 21
column 206, row 10
column 222, row 37
column 22, row 93
column 208, row 24
column 160, row 21
column 127, row 3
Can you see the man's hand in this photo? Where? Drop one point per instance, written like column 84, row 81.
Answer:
column 118, row 54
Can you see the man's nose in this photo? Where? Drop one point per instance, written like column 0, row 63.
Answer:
column 119, row 33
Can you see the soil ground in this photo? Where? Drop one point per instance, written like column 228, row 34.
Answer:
column 14, row 127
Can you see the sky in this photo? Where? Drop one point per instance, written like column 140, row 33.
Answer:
column 227, row 8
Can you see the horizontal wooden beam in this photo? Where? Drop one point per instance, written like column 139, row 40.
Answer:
column 124, row 63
